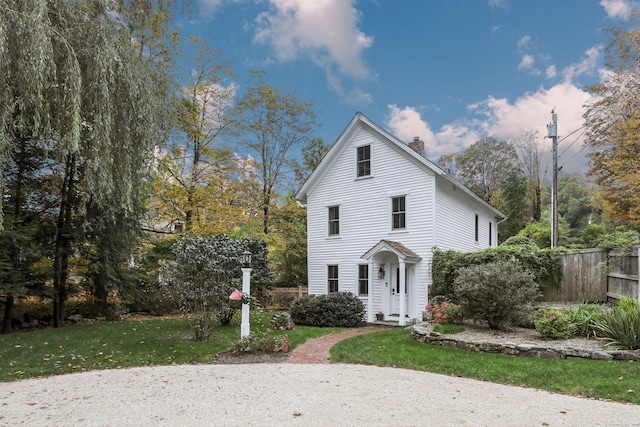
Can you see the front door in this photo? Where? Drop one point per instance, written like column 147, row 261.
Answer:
column 397, row 299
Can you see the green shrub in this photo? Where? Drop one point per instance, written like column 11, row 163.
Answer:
column 281, row 322
column 263, row 343
column 554, row 324
column 584, row 316
column 620, row 326
column 544, row 264
column 522, row 242
column 525, row 318
column 495, row 292
column 338, row 309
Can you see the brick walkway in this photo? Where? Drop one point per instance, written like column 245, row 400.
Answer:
column 317, row 350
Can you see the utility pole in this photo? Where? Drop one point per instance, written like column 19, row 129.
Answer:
column 552, row 132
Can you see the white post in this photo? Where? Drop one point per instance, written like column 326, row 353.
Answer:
column 370, row 314
column 245, row 329
column 403, row 287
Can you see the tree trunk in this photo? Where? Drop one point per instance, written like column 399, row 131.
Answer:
column 8, row 309
column 63, row 243
column 100, row 292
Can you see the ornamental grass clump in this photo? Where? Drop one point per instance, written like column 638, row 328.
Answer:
column 620, row 326
column 584, row 317
column 496, row 292
column 554, row 324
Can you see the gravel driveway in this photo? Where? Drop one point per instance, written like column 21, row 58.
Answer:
column 291, row 395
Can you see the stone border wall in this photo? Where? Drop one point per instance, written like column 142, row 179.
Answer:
column 423, row 332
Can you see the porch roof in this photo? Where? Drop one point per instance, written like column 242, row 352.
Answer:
column 397, row 248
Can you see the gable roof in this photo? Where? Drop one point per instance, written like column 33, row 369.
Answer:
column 397, row 248
column 359, row 121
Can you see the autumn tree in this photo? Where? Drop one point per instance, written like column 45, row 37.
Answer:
column 288, row 243
column 612, row 122
column 272, row 123
column 198, row 176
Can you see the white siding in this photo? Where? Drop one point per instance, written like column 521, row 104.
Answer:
column 455, row 220
column 365, row 216
column 437, row 214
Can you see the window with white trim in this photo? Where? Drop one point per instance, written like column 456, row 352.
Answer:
column 334, row 220
column 363, row 162
column 363, row 279
column 398, row 213
column 332, row 278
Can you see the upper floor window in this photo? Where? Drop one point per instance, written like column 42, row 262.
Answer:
column 332, row 278
column 364, row 161
column 398, row 213
column 334, row 220
column 363, row 279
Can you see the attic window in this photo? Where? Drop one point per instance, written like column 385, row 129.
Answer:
column 363, row 162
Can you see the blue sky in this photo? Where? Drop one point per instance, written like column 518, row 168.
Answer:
column 451, row 72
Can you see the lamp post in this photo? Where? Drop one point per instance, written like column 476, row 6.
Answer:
column 245, row 259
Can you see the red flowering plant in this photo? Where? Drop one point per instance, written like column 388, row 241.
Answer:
column 438, row 312
column 237, row 295
column 444, row 312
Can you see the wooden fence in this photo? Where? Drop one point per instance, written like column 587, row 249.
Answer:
column 596, row 275
column 281, row 298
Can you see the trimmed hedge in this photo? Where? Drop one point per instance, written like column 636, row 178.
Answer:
column 338, row 309
column 544, row 264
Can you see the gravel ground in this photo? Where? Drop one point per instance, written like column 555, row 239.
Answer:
column 291, row 395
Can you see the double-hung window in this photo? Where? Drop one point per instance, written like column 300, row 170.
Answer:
column 363, row 163
column 363, row 279
column 332, row 278
column 334, row 220
column 398, row 213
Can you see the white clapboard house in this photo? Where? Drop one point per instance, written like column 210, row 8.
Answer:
column 375, row 210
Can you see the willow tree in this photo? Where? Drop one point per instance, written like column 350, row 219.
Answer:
column 272, row 123
column 84, row 77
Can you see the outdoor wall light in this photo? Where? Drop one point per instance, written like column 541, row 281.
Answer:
column 245, row 259
column 381, row 272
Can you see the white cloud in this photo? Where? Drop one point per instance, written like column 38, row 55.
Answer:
column 501, row 119
column 406, row 123
column 526, row 63
column 551, row 72
column 324, row 30
column 498, row 3
column 586, row 66
column 619, row 9
column 524, row 43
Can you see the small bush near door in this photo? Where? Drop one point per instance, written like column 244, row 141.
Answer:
column 339, row 309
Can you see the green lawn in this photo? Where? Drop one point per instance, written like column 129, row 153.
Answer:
column 165, row 341
column 617, row 380
column 105, row 345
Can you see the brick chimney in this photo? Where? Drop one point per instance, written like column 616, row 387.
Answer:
column 417, row 145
